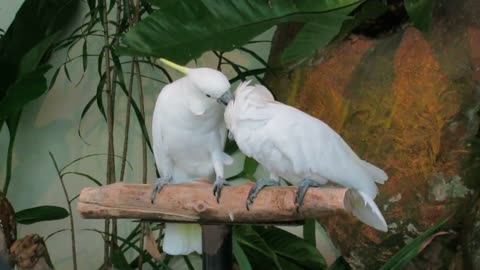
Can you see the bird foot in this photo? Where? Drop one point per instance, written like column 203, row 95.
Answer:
column 162, row 181
column 217, row 187
column 302, row 190
column 259, row 185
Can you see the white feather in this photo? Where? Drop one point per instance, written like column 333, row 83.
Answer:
column 187, row 128
column 292, row 144
column 365, row 209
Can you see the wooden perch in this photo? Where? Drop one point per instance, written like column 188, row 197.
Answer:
column 193, row 202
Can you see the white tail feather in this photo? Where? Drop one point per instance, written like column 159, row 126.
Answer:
column 365, row 209
column 182, row 239
column 377, row 174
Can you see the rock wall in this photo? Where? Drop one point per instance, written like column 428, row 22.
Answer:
column 408, row 103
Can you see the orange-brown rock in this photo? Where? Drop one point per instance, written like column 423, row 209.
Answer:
column 408, row 103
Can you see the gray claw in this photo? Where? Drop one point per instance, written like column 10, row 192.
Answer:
column 217, row 187
column 259, row 185
column 302, row 190
column 161, row 182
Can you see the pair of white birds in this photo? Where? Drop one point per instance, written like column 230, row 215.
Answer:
column 189, row 132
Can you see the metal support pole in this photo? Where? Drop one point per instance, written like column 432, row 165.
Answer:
column 217, row 247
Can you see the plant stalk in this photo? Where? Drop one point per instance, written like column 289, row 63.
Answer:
column 69, row 204
column 110, row 119
column 127, row 123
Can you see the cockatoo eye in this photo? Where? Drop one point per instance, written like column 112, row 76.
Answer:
column 208, row 95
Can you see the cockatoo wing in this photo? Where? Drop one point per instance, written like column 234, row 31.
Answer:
column 313, row 148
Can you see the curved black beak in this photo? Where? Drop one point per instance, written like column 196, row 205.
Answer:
column 225, row 98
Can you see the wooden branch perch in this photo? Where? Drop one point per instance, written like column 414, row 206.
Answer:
column 193, row 202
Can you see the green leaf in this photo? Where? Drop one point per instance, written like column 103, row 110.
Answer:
column 54, row 78
column 118, row 259
column 99, row 96
column 186, row 29
column 40, row 213
column 408, row 252
column 231, row 147
column 240, row 255
column 84, row 55
column 89, row 177
column 250, row 166
column 140, row 119
column 340, row 264
column 188, row 262
column 131, row 245
column 12, row 124
column 260, row 254
column 292, row 248
column 162, row 3
column 369, row 10
column 26, row 88
column 316, row 34
column 50, row 16
column 420, row 12
column 309, row 231
column 33, row 57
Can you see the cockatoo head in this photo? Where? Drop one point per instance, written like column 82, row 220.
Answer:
column 212, row 83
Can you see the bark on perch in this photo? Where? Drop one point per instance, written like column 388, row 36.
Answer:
column 194, row 202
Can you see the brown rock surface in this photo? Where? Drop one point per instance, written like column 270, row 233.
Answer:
column 408, row 103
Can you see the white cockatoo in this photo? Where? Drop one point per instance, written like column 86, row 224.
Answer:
column 189, row 135
column 302, row 150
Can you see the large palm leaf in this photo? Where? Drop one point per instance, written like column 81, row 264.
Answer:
column 185, row 29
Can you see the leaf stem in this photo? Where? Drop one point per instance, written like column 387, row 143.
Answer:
column 69, row 204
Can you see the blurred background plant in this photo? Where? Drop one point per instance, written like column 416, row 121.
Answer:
column 117, row 43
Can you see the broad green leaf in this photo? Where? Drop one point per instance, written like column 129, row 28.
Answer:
column 340, row 264
column 369, row 10
column 186, row 29
column 23, row 34
column 408, row 252
column 292, row 248
column 250, row 166
column 162, row 3
column 240, row 255
column 33, row 57
column 25, row 89
column 316, row 34
column 260, row 255
column 40, row 213
column 420, row 12
column 118, row 259
column 231, row 147
column 309, row 232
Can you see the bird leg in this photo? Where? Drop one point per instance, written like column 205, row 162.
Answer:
column 302, row 190
column 217, row 187
column 162, row 181
column 259, row 185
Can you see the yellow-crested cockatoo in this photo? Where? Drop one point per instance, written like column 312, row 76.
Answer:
column 189, row 134
column 302, row 150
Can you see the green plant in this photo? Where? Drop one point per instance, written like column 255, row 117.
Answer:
column 24, row 51
column 405, row 255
